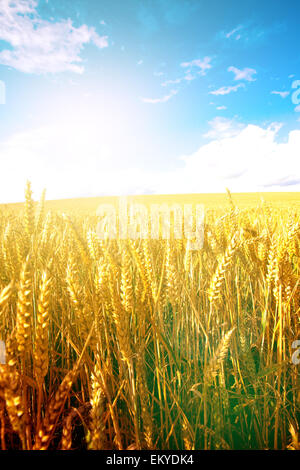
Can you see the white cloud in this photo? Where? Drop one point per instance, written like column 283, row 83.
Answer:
column 188, row 78
column 176, row 81
column 40, row 46
column 221, row 108
column 245, row 74
column 240, row 157
column 283, row 94
column 248, row 158
column 202, row 64
column 221, row 128
column 225, row 90
column 233, row 33
column 297, row 109
column 68, row 160
column 163, row 99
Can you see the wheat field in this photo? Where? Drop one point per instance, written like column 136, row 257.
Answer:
column 147, row 344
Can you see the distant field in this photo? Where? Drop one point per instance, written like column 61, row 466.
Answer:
column 219, row 200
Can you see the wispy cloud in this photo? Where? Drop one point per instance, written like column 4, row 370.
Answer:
column 202, row 64
column 163, row 99
column 225, row 90
column 283, row 94
column 245, row 74
column 221, row 108
column 223, row 128
column 192, row 71
column 188, row 78
column 251, row 32
column 233, row 33
column 40, row 46
column 176, row 81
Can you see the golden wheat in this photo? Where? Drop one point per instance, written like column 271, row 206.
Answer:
column 147, row 343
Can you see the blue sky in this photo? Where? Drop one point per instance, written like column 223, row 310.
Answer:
column 148, row 96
